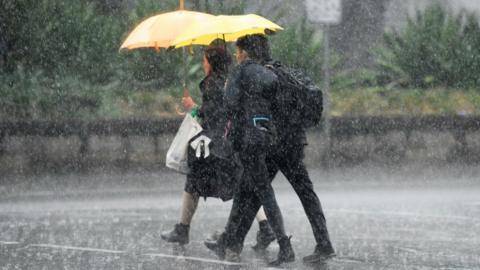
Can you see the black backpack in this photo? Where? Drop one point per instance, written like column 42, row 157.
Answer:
column 298, row 102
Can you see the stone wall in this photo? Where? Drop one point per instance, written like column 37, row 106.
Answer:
column 143, row 144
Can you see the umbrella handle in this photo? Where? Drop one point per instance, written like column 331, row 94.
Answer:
column 178, row 111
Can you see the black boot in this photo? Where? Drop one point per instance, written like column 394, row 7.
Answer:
column 265, row 236
column 232, row 254
column 320, row 254
column 285, row 254
column 179, row 234
column 218, row 246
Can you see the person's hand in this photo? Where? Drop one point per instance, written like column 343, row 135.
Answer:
column 188, row 102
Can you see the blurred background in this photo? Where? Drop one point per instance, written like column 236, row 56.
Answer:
column 404, row 81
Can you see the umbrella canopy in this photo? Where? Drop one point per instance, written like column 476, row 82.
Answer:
column 229, row 28
column 161, row 30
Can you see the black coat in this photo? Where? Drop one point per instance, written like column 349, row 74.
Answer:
column 216, row 175
column 212, row 112
column 249, row 92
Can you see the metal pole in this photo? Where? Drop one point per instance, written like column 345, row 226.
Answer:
column 326, row 95
column 185, row 71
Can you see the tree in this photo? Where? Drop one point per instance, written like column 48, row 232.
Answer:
column 360, row 30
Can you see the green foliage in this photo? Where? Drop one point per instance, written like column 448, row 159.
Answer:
column 63, row 60
column 354, row 79
column 223, row 7
column 26, row 95
column 400, row 101
column 57, row 36
column 435, row 49
column 300, row 47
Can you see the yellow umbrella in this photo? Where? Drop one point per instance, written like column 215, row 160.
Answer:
column 161, row 30
column 229, row 28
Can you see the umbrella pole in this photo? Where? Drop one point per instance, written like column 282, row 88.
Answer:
column 326, row 96
column 184, row 83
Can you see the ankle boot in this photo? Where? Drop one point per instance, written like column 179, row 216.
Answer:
column 214, row 236
column 179, row 234
column 285, row 254
column 320, row 254
column 218, row 246
column 265, row 236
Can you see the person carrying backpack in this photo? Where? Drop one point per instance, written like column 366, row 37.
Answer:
column 249, row 92
column 297, row 105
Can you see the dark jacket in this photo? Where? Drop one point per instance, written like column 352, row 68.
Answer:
column 249, row 92
column 216, row 175
column 212, row 111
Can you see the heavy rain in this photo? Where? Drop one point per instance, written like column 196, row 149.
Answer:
column 123, row 143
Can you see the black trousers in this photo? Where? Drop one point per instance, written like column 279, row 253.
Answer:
column 290, row 162
column 254, row 189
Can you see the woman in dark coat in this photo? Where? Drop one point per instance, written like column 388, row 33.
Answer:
column 210, row 176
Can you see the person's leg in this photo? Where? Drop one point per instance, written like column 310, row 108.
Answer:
column 259, row 177
column 294, row 169
column 265, row 234
column 256, row 176
column 180, row 232
column 250, row 210
column 261, row 216
column 244, row 203
column 189, row 206
column 244, row 225
column 247, row 219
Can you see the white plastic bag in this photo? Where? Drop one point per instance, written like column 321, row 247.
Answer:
column 177, row 153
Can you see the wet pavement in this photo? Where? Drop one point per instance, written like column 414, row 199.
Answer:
column 378, row 219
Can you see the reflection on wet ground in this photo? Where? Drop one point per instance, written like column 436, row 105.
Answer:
column 424, row 223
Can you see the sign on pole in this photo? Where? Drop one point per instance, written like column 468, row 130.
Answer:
column 324, row 11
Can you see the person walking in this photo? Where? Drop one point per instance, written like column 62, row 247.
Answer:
column 249, row 91
column 287, row 156
column 201, row 180
column 211, row 176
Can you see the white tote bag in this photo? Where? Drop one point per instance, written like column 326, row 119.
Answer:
column 177, row 153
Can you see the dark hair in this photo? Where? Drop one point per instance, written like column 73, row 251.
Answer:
column 218, row 42
column 218, row 58
column 256, row 46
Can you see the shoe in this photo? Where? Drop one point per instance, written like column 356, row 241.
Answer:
column 285, row 254
column 217, row 246
column 232, row 255
column 320, row 254
column 265, row 236
column 214, row 236
column 179, row 234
